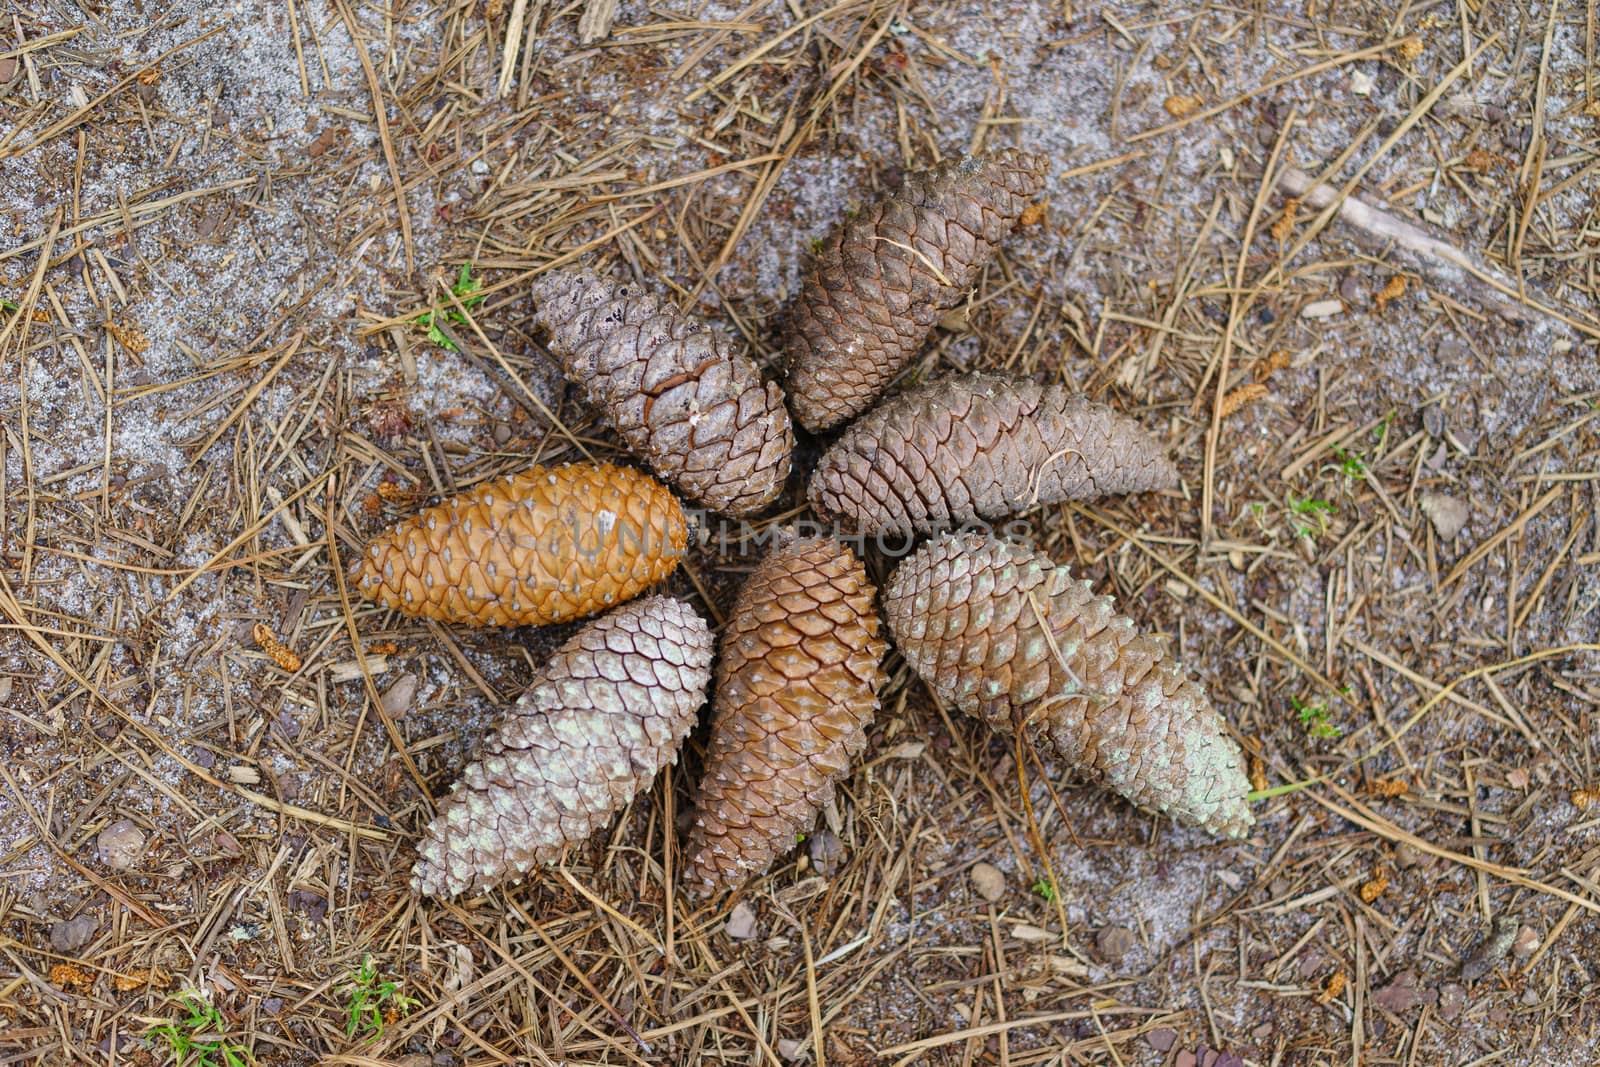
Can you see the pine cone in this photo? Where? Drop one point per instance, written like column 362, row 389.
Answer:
column 981, row 446
column 674, row 388
column 548, row 545
column 875, row 290
column 796, row 689
column 604, row 715
column 965, row 611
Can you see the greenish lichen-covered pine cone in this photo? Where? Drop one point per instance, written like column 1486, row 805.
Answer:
column 602, row 717
column 968, row 612
column 875, row 289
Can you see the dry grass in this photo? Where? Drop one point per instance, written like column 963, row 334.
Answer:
column 215, row 389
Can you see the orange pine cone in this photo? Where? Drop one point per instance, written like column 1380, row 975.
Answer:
column 797, row 686
column 548, row 545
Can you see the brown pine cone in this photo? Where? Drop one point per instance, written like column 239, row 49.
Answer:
column 965, row 611
column 879, row 283
column 675, row 389
column 601, row 719
column 797, row 687
column 981, row 446
column 548, row 545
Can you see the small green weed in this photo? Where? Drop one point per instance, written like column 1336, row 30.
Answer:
column 1380, row 433
column 373, row 1004
column 1315, row 718
column 466, row 290
column 195, row 1039
column 1044, row 889
column 1304, row 512
column 1351, row 464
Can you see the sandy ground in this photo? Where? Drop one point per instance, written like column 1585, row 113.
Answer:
column 1384, row 561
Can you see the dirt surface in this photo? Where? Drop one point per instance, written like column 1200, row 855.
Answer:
column 1384, row 560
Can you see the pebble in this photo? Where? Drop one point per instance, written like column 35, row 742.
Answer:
column 415, row 1059
column 1447, row 513
column 988, row 881
column 8, row 69
column 827, row 852
column 120, row 845
column 1113, row 942
column 69, row 935
column 1452, row 998
column 397, row 699
column 1406, row 856
column 741, row 922
column 1402, row 994
column 1185, row 1058
column 791, row 1050
column 1163, row 1039
column 1526, row 944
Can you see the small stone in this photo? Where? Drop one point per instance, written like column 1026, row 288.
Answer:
column 791, row 1050
column 1447, row 513
column 1113, row 943
column 1361, row 83
column 398, row 698
column 70, row 935
column 988, row 881
column 1491, row 950
column 1402, row 994
column 1163, row 1039
column 1406, row 856
column 1518, row 778
column 120, row 845
column 1229, row 1059
column 1185, row 1058
column 1526, row 944
column 741, row 922
column 415, row 1059
column 313, row 905
column 8, row 69
column 827, row 852
column 1322, row 309
column 1452, row 998
column 272, row 1005
column 1433, row 420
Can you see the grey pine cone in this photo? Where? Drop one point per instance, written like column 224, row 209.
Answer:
column 967, row 613
column 981, row 446
column 606, row 713
column 674, row 387
column 880, row 282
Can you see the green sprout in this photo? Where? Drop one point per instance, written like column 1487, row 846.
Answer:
column 1380, row 433
column 1308, row 509
column 466, row 290
column 1043, row 888
column 196, row 1040
column 1351, row 464
column 1315, row 718
column 373, row 1004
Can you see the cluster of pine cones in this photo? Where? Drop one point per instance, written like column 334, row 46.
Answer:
column 996, row 629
